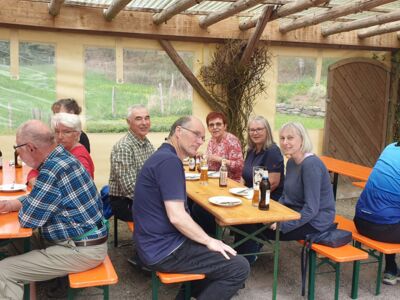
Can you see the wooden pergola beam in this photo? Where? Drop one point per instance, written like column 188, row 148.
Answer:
column 187, row 73
column 172, row 10
column 255, row 38
column 234, row 8
column 283, row 11
column 55, row 7
column 362, row 23
column 339, row 11
column 115, row 7
column 377, row 30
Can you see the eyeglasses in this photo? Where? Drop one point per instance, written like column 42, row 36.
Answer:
column 218, row 124
column 64, row 133
column 20, row 145
column 196, row 133
column 256, row 130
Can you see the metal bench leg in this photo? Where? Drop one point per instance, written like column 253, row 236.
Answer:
column 155, row 283
column 115, row 232
column 312, row 257
column 379, row 275
column 188, row 290
column 356, row 275
column 337, row 280
column 106, row 292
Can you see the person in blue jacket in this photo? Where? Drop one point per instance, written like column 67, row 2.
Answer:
column 378, row 208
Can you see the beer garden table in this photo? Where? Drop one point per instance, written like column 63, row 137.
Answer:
column 10, row 227
column 241, row 214
column 337, row 166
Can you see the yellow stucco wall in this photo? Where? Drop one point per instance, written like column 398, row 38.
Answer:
column 70, row 77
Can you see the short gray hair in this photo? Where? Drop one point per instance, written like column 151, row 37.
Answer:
column 270, row 139
column 182, row 121
column 68, row 120
column 134, row 107
column 306, row 145
column 37, row 133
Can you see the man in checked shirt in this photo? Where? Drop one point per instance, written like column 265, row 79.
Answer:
column 66, row 208
column 127, row 158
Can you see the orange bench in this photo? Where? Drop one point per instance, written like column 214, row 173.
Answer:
column 374, row 246
column 168, row 278
column 360, row 184
column 101, row 276
column 334, row 257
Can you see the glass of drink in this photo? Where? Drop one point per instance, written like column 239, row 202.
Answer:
column 204, row 171
column 256, row 195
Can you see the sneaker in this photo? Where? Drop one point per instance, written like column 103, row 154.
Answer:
column 389, row 279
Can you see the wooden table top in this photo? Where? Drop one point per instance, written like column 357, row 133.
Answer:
column 9, row 224
column 236, row 215
column 10, row 227
column 346, row 168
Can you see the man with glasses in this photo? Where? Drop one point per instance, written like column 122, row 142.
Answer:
column 70, row 239
column 127, row 158
column 166, row 237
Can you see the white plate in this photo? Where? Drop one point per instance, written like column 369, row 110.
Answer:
column 12, row 187
column 192, row 176
column 242, row 191
column 213, row 174
column 225, row 201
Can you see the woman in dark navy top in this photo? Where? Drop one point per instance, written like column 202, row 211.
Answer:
column 262, row 151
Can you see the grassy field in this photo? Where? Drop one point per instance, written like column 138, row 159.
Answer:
column 309, row 123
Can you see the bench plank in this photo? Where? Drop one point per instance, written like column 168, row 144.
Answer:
column 103, row 274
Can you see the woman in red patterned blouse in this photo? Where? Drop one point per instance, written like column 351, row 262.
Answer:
column 223, row 145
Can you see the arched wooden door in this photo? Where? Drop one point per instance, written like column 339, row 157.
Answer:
column 356, row 112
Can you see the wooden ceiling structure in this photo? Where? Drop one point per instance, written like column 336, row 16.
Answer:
column 362, row 24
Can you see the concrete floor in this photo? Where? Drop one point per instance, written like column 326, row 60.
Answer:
column 135, row 285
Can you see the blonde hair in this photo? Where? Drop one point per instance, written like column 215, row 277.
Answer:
column 306, row 144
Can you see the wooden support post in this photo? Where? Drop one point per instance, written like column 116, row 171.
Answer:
column 255, row 38
column 115, row 7
column 283, row 11
column 336, row 12
column 173, row 10
column 187, row 73
column 55, row 7
column 234, row 8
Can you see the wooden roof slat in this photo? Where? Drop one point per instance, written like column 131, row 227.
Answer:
column 283, row 11
column 339, row 11
column 381, row 29
column 55, row 7
column 115, row 7
column 176, row 8
column 234, row 8
column 366, row 22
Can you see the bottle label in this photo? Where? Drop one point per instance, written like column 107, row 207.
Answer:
column 223, row 178
column 267, row 196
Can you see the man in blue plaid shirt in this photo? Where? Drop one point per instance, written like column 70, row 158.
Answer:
column 66, row 208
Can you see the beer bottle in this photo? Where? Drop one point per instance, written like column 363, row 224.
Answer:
column 192, row 164
column 1, row 160
column 223, row 174
column 198, row 163
column 204, row 171
column 17, row 160
column 265, row 191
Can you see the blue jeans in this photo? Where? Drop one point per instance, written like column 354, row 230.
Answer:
column 224, row 277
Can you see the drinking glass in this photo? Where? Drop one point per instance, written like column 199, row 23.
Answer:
column 257, row 175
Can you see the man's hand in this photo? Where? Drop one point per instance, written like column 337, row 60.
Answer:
column 219, row 246
column 4, row 206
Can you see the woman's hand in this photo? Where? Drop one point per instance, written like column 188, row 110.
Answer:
column 273, row 226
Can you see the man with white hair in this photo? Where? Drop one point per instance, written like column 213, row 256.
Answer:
column 127, row 158
column 66, row 208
